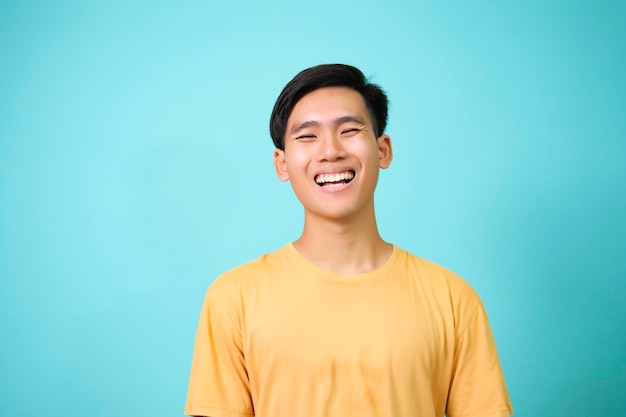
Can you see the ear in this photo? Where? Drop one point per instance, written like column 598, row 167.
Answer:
column 385, row 153
column 280, row 165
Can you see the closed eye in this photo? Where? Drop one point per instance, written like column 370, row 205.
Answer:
column 353, row 130
column 306, row 136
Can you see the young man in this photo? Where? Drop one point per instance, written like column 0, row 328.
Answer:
column 340, row 322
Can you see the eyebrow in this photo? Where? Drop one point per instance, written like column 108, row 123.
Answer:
column 314, row 123
column 304, row 125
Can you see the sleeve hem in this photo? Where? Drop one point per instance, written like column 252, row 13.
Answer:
column 503, row 412
column 196, row 410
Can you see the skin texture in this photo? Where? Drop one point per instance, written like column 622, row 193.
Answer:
column 330, row 130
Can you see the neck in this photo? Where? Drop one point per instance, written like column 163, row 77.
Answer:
column 345, row 246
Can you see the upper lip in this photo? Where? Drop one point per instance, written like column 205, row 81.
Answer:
column 334, row 171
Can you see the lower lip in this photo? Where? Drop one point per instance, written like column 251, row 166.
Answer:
column 336, row 187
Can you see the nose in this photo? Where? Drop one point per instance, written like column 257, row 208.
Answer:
column 330, row 149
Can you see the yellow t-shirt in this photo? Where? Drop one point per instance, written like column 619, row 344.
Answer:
column 281, row 337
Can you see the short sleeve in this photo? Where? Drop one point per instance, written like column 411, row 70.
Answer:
column 477, row 388
column 218, row 385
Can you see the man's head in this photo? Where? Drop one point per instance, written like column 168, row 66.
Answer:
column 329, row 141
column 328, row 75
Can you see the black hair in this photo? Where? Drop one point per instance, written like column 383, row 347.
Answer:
column 327, row 75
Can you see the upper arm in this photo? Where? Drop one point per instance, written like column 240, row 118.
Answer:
column 477, row 385
column 218, row 384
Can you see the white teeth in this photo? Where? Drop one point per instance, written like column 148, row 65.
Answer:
column 340, row 176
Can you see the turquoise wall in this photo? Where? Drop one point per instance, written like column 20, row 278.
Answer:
column 135, row 166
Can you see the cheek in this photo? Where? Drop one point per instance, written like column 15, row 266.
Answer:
column 296, row 162
column 367, row 151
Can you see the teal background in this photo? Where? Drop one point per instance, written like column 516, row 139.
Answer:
column 135, row 167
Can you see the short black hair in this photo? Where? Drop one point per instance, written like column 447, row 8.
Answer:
column 327, row 75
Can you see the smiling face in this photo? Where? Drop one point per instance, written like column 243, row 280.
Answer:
column 332, row 155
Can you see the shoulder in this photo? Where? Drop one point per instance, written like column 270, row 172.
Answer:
column 246, row 276
column 433, row 273
column 442, row 284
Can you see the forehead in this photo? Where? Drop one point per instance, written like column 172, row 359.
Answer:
column 329, row 103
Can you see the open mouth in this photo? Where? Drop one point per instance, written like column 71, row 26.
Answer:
column 338, row 178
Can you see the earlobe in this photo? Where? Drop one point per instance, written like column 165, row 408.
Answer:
column 385, row 152
column 280, row 165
